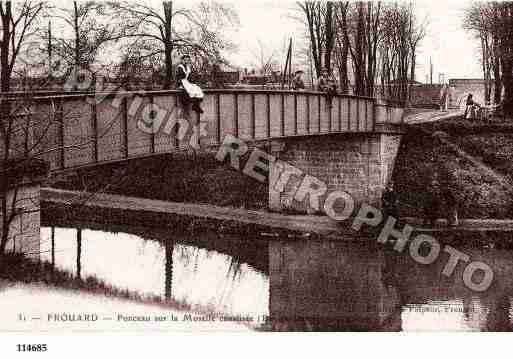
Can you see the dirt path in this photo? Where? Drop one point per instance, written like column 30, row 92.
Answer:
column 418, row 116
column 321, row 225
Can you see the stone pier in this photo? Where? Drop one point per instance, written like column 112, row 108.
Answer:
column 23, row 197
column 359, row 163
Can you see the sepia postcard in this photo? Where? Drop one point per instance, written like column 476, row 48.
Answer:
column 255, row 166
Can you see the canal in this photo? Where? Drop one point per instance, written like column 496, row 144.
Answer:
column 281, row 283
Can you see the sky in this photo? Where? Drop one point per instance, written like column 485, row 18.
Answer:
column 453, row 50
column 269, row 24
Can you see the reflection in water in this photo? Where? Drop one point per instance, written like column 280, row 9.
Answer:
column 321, row 285
column 200, row 278
column 306, row 284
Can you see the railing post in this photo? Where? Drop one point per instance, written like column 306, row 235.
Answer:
column 152, row 135
column 295, row 114
column 253, row 116
column 218, row 117
column 349, row 114
column 374, row 109
column 319, row 113
column 330, row 108
column 340, row 114
column 366, row 113
column 357, row 114
column 268, row 115
column 282, row 115
column 307, row 114
column 236, row 114
column 124, row 127
column 60, row 119
column 94, row 126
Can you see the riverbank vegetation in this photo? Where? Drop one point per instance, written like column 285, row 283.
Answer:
column 492, row 24
column 17, row 268
column 474, row 160
column 186, row 177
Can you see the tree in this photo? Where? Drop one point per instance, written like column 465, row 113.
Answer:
column 26, row 128
column 265, row 59
column 342, row 45
column 320, row 23
column 483, row 20
column 19, row 23
column 90, row 28
column 365, row 41
column 416, row 33
column 172, row 29
column 401, row 37
column 364, row 35
column 345, row 29
column 493, row 24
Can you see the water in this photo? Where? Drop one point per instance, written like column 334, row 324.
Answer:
column 296, row 284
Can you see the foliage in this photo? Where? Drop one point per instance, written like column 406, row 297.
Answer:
column 159, row 35
column 492, row 22
column 374, row 40
column 87, row 28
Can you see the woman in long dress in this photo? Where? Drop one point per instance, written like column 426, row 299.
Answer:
column 471, row 107
column 193, row 93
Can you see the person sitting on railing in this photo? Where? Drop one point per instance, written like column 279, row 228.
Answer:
column 327, row 84
column 193, row 93
column 297, row 81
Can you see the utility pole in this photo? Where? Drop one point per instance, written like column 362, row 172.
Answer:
column 288, row 64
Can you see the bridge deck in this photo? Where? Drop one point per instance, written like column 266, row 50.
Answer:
column 80, row 129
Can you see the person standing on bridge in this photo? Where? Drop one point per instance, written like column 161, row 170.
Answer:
column 297, row 81
column 328, row 85
column 193, row 93
column 444, row 98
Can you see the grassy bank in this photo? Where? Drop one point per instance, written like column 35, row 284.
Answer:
column 476, row 155
column 16, row 268
column 183, row 177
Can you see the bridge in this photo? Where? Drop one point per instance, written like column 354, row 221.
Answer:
column 351, row 135
column 85, row 129
column 350, row 142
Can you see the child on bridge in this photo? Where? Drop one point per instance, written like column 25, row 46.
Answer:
column 328, row 85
